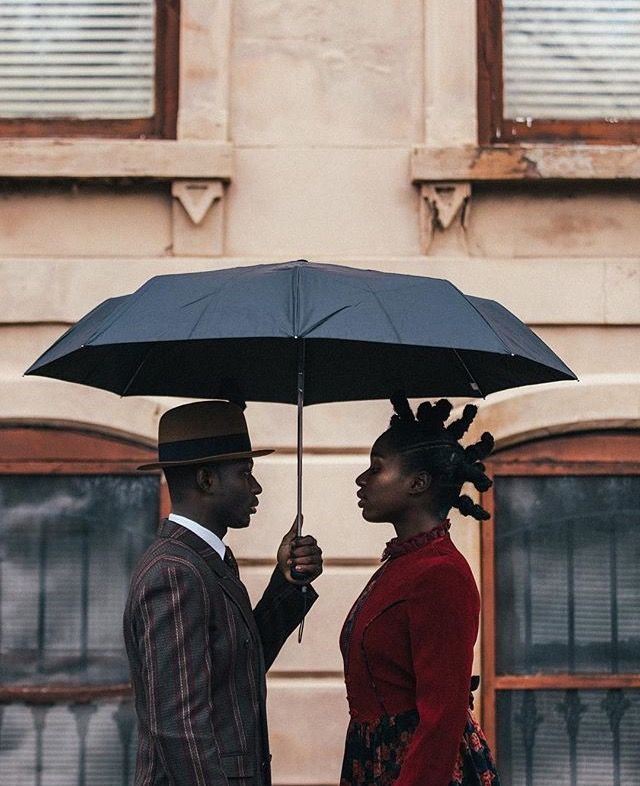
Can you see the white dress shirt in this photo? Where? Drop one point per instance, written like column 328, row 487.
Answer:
column 209, row 537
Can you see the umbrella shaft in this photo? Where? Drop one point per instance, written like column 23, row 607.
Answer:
column 300, row 411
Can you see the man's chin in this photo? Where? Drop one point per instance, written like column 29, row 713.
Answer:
column 241, row 523
column 374, row 518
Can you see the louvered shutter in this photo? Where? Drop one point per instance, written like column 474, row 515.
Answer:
column 84, row 59
column 571, row 59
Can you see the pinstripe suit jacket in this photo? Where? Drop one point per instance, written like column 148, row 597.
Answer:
column 198, row 656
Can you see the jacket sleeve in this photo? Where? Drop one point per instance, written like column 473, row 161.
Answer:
column 172, row 638
column 280, row 610
column 443, row 625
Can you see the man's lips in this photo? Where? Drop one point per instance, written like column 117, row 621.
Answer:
column 361, row 500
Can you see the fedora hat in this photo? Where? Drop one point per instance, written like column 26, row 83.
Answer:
column 201, row 432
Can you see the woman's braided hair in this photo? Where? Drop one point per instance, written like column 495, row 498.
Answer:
column 426, row 443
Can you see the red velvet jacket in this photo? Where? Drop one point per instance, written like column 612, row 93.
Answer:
column 411, row 646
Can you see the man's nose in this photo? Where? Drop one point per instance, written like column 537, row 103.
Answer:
column 257, row 488
column 360, row 480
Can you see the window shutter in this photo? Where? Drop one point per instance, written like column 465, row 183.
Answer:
column 84, row 59
column 571, row 59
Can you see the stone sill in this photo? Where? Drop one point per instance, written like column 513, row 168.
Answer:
column 115, row 158
column 525, row 163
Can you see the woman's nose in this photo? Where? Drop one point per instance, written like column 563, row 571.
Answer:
column 360, row 479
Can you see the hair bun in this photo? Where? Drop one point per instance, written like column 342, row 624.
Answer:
column 404, row 413
column 468, row 507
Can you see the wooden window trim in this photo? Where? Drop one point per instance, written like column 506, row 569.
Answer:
column 617, row 453
column 494, row 128
column 163, row 123
column 37, row 449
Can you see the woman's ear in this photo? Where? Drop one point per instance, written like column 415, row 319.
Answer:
column 420, row 483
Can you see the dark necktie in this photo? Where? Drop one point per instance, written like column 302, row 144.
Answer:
column 230, row 560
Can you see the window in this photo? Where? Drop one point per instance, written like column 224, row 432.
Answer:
column 74, row 517
column 105, row 68
column 561, row 629
column 553, row 70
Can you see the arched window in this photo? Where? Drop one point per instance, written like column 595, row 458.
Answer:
column 74, row 517
column 561, row 611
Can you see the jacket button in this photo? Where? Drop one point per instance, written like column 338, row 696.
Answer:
column 246, row 643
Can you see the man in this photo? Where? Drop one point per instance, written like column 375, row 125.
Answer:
column 197, row 652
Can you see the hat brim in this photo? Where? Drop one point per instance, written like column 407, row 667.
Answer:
column 206, row 459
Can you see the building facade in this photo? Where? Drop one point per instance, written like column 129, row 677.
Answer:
column 414, row 136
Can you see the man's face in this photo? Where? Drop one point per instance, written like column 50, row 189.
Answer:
column 236, row 493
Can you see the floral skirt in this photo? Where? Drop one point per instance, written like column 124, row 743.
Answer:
column 375, row 751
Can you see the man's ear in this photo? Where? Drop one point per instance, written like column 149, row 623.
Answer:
column 206, row 478
column 420, row 483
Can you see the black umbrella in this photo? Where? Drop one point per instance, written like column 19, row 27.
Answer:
column 300, row 333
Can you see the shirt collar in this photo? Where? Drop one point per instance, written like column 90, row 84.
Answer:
column 209, row 537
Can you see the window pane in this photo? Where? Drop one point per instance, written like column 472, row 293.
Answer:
column 89, row 744
column 556, row 737
column 68, row 544
column 567, row 574
column 79, row 59
column 571, row 59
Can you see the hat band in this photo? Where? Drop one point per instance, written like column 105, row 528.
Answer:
column 193, row 449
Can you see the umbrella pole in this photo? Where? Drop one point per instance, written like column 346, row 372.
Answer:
column 299, row 452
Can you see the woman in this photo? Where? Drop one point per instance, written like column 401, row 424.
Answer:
column 408, row 641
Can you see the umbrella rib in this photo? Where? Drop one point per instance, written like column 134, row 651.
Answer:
column 474, row 381
column 320, row 322
column 212, row 298
column 126, row 305
column 386, row 314
column 486, row 321
column 138, row 370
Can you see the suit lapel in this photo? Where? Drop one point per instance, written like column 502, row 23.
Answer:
column 229, row 582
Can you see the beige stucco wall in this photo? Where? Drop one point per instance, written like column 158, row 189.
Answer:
column 322, row 102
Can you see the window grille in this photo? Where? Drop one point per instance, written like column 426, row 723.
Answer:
column 571, row 59
column 559, row 71
column 83, row 59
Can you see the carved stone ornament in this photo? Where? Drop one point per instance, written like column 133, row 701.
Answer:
column 446, row 201
column 196, row 196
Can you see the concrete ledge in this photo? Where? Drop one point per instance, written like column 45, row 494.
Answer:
column 558, row 291
column 113, row 158
column 525, row 162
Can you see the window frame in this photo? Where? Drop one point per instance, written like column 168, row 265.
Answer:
column 494, row 128
column 582, row 453
column 161, row 125
column 43, row 449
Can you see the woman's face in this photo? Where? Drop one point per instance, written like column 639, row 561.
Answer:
column 384, row 488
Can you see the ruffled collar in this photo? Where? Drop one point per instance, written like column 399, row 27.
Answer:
column 396, row 548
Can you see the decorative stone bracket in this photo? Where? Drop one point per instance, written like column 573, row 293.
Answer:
column 197, row 217
column 439, row 206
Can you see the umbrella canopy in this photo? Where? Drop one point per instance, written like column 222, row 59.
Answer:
column 365, row 334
